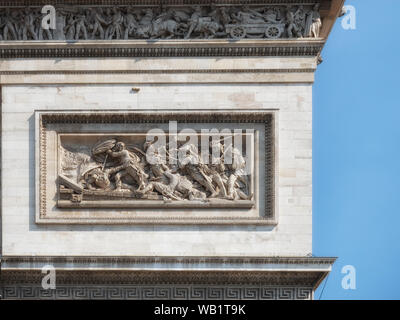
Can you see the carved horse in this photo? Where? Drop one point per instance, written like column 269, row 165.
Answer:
column 207, row 28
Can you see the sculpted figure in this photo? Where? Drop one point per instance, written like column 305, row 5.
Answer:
column 145, row 24
column 129, row 166
column 300, row 19
column 147, row 18
column 10, row 21
column 165, row 189
column 130, row 24
column 206, row 27
column 292, row 29
column 272, row 15
column 28, row 25
column 70, row 29
column 193, row 166
column 97, row 23
column 59, row 32
column 225, row 16
column 80, row 25
column 164, row 26
column 180, row 16
column 114, row 30
column 194, row 21
column 96, row 178
column 157, row 159
column 236, row 173
column 43, row 34
column 216, row 14
column 178, row 188
column 186, row 188
column 216, row 168
column 313, row 22
column 249, row 16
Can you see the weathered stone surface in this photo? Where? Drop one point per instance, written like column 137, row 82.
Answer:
column 259, row 259
column 163, row 22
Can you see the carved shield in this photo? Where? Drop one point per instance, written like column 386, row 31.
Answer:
column 100, row 149
column 103, row 146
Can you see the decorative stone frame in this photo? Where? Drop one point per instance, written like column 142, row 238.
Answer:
column 268, row 119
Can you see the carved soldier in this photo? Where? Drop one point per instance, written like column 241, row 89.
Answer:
column 216, row 168
column 59, row 32
column 300, row 19
column 156, row 158
column 225, row 16
column 177, row 188
column 28, row 25
column 192, row 164
column 164, row 25
column 292, row 29
column 115, row 28
column 95, row 178
column 130, row 166
column 194, row 21
column 70, row 29
column 130, row 24
column 10, row 20
column 98, row 22
column 185, row 187
column 81, row 25
column 41, row 32
column 147, row 19
column 236, row 173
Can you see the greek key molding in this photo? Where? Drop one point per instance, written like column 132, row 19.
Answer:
column 160, row 292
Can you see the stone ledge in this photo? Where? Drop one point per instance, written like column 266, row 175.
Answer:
column 169, row 263
column 160, row 48
column 288, row 280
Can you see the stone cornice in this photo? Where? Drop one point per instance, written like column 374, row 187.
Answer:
column 74, row 277
column 161, row 48
column 156, row 71
column 159, row 263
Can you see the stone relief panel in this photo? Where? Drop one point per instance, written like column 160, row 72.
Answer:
column 172, row 168
column 137, row 22
column 97, row 170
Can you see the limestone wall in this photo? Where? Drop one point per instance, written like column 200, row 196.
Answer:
column 280, row 84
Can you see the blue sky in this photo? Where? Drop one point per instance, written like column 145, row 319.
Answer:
column 356, row 150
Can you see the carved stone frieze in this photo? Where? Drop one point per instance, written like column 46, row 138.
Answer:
column 141, row 21
column 98, row 170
